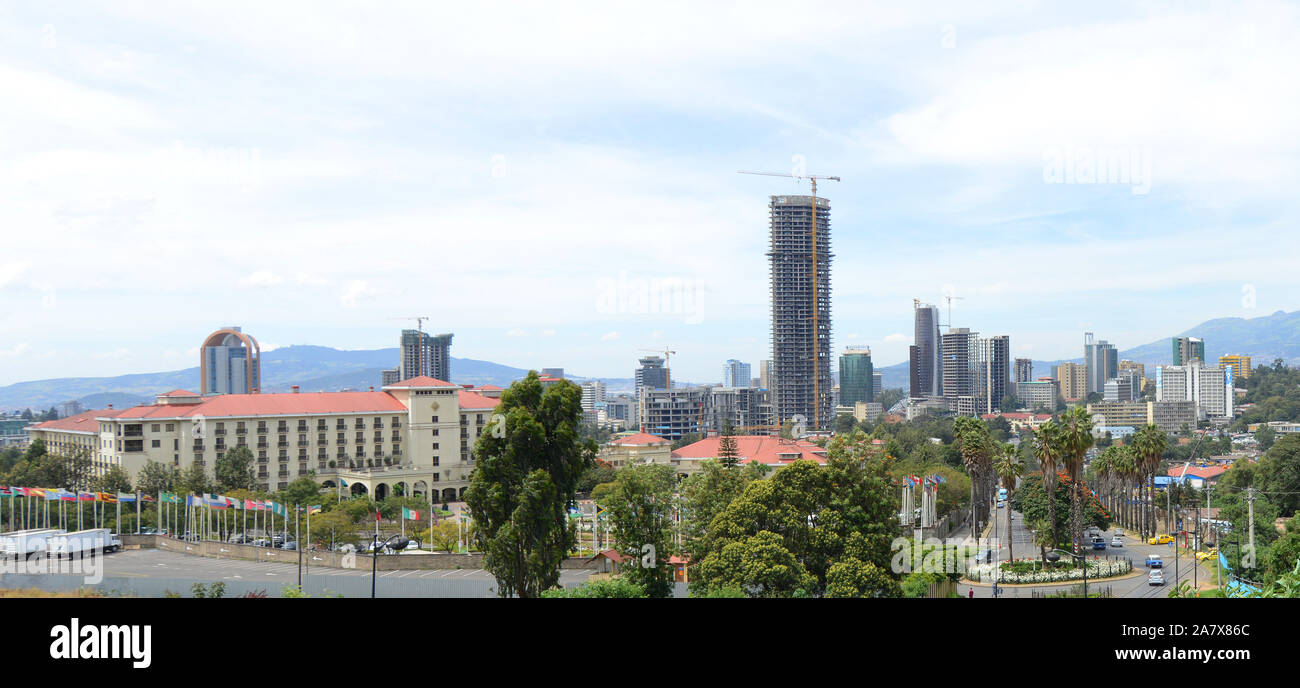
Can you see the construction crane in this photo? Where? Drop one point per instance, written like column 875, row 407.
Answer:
column 668, row 382
column 817, row 398
column 950, row 297
column 419, row 324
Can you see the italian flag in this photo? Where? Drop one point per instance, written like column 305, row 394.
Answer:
column 410, row 515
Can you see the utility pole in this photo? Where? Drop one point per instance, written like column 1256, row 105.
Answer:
column 1251, row 494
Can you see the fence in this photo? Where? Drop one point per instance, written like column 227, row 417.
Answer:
column 1075, row 591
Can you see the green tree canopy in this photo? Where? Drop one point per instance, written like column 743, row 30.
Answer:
column 234, row 470
column 641, row 514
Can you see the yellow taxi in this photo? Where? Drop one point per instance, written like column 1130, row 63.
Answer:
column 1160, row 540
column 1207, row 554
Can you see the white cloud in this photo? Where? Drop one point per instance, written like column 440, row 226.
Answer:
column 118, row 353
column 10, row 272
column 895, row 338
column 609, row 336
column 516, row 332
column 358, row 291
column 15, row 351
column 261, row 278
column 548, row 333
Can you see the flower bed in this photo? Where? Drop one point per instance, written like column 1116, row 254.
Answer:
column 1016, row 573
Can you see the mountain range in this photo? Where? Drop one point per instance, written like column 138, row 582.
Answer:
column 320, row 368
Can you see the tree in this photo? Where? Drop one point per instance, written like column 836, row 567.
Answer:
column 1008, row 467
column 728, row 453
column 302, row 492
column 1075, row 437
column 1279, row 473
column 782, row 536
column 704, row 495
column 613, row 588
column 234, row 470
column 158, row 477
column 1150, row 443
column 1047, row 451
column 641, row 522
column 113, row 480
column 1265, row 437
column 523, row 483
column 976, row 451
column 195, row 480
column 688, row 438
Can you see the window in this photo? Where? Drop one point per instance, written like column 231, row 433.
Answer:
column 154, row 427
column 157, row 444
column 171, row 427
column 435, row 445
column 435, row 419
column 435, row 432
column 436, row 477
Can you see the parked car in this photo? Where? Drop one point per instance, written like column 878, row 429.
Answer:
column 292, row 544
column 1155, row 562
column 1117, row 541
column 149, row 531
column 1207, row 554
column 191, row 537
column 261, row 542
column 1160, row 539
column 1156, row 577
column 413, row 545
column 1119, row 532
column 1001, row 504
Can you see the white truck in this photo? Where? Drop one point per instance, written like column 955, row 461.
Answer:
column 82, row 542
column 24, row 543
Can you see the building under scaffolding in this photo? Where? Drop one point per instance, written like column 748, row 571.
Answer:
column 801, row 352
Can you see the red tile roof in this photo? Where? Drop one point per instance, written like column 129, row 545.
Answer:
column 760, row 448
column 1198, row 472
column 474, row 400
column 420, row 381
column 640, row 439
column 289, row 404
column 179, row 393
column 493, row 388
column 82, row 422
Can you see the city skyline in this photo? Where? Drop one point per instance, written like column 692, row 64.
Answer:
column 953, row 180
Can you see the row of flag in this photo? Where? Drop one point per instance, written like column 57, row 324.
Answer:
column 62, row 495
column 927, row 481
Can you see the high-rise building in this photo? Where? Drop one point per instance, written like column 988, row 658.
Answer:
column 961, row 366
column 1240, row 365
column 1024, row 370
column 390, row 376
column 927, row 366
column 230, row 362
column 994, row 371
column 856, row 376
column 593, row 392
column 746, row 409
column 800, row 256
column 1102, row 361
column 1209, row 388
column 425, row 355
column 765, row 374
column 1038, row 393
column 557, row 373
column 877, row 385
column 651, row 375
column 1188, row 349
column 1073, row 380
column 674, row 413
column 735, row 373
column 1119, row 389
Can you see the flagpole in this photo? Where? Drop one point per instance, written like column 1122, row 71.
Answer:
column 297, row 534
column 118, row 524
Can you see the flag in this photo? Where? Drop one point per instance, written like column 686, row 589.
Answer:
column 193, row 500
column 233, row 503
column 125, row 497
column 313, row 509
column 376, row 515
column 343, row 483
column 4, row 491
column 35, row 492
column 410, row 514
column 66, row 496
column 147, row 498
column 252, row 505
column 85, row 496
column 52, row 495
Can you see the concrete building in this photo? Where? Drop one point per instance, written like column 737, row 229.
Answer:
column 857, row 377
column 1209, row 388
column 651, row 375
column 230, row 362
column 746, row 409
column 1168, row 416
column 961, row 367
column 1240, row 365
column 1024, row 371
column 674, row 413
column 1119, row 389
column 801, row 308
column 424, row 355
column 877, row 384
column 390, row 376
column 635, row 449
column 621, row 408
column 735, row 373
column 557, row 373
column 1102, row 361
column 1038, row 393
column 926, row 353
column 1188, row 349
column 995, row 372
column 765, row 374
column 1073, row 380
column 772, row 452
column 416, row 436
column 593, row 393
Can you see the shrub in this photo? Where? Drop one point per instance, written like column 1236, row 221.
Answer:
column 611, row 588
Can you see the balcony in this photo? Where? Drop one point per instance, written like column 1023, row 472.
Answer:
column 241, row 431
column 341, row 442
column 218, row 431
column 282, row 443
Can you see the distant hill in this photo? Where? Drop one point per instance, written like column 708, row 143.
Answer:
column 1263, row 339
column 312, row 368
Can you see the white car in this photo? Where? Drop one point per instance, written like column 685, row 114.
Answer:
column 1119, row 532
column 1156, row 577
column 1116, row 541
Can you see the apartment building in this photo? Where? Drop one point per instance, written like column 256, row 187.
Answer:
column 1209, row 388
column 1041, row 392
column 1239, row 364
column 1073, row 379
column 404, row 437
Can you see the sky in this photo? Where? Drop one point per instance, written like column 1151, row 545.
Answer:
column 556, row 183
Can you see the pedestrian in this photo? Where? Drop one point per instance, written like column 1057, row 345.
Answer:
column 971, row 594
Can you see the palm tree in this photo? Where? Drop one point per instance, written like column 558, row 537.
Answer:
column 1124, row 468
column 1150, row 444
column 1047, row 453
column 972, row 435
column 1076, row 439
column 1008, row 467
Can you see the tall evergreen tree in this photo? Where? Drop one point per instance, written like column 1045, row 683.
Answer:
column 728, row 453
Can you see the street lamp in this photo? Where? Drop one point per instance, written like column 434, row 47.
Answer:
column 1055, row 555
column 399, row 541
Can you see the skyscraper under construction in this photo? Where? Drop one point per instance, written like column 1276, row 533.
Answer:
column 801, row 309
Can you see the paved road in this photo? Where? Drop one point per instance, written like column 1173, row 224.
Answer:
column 1135, row 550
column 149, row 563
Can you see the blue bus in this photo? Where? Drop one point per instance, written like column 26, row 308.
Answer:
column 1002, row 495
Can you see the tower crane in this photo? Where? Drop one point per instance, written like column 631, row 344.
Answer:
column 949, row 298
column 668, row 381
column 817, row 399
